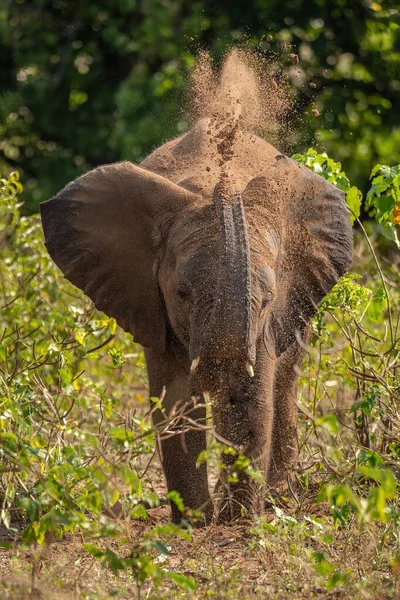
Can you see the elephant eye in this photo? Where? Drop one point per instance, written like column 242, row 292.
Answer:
column 183, row 292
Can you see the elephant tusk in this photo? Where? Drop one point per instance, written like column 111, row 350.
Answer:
column 195, row 364
column 249, row 368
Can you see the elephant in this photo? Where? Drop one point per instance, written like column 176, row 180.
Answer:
column 215, row 262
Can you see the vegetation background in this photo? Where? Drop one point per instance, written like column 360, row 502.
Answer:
column 81, row 492
column 85, row 83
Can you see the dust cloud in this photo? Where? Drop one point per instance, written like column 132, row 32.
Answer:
column 242, row 94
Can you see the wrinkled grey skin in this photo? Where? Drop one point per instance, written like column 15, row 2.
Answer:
column 228, row 268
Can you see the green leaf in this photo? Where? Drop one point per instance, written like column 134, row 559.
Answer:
column 6, row 545
column 31, row 507
column 120, row 435
column 113, row 561
column 367, row 403
column 370, row 458
column 94, row 550
column 329, row 422
column 161, row 547
column 112, row 496
column 382, row 198
column 130, row 477
column 172, row 529
column 184, row 582
column 383, row 476
column 337, row 579
column 321, row 565
column 325, row 167
column 10, row 493
column 80, row 337
column 91, row 501
column 353, row 200
column 138, row 512
column 112, row 325
column 377, row 504
column 175, row 497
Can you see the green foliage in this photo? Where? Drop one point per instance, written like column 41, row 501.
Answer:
column 350, row 387
column 301, row 536
column 75, row 448
column 140, row 564
column 104, row 82
column 68, row 454
column 384, row 199
column 332, row 172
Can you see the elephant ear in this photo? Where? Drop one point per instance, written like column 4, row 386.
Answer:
column 311, row 220
column 103, row 231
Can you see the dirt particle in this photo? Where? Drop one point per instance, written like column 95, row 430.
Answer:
column 294, row 58
column 246, row 94
column 315, row 112
column 269, row 38
column 243, row 90
column 312, row 85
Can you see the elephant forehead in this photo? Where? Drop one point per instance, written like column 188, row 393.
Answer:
column 193, row 243
column 193, row 231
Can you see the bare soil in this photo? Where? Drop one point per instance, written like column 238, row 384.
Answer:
column 227, row 562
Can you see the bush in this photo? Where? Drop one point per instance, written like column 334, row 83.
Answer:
column 69, row 455
column 75, row 446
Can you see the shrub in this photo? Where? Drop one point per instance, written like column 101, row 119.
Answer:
column 75, row 448
column 70, row 452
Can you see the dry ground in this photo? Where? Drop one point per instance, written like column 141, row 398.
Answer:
column 227, row 562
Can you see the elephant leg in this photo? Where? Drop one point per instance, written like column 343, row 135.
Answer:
column 179, row 450
column 243, row 417
column 284, row 437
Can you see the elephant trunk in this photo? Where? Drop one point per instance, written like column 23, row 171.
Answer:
column 229, row 327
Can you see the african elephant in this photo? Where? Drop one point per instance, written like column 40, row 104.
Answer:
column 215, row 264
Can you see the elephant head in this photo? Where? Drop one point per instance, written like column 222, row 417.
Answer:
column 216, row 287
